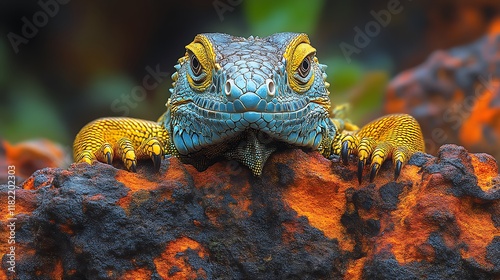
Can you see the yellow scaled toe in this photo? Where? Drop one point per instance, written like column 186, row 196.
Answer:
column 347, row 145
column 105, row 153
column 154, row 149
column 86, row 156
column 379, row 155
column 365, row 148
column 126, row 151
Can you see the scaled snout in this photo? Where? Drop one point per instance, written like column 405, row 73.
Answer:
column 246, row 95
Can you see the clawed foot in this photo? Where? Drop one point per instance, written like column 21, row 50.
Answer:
column 394, row 136
column 369, row 151
column 129, row 154
column 126, row 152
column 100, row 141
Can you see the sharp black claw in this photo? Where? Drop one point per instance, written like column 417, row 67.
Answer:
column 344, row 152
column 374, row 171
column 361, row 166
column 156, row 162
column 133, row 167
column 108, row 158
column 397, row 170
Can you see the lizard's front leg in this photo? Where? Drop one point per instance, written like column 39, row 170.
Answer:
column 127, row 138
column 394, row 136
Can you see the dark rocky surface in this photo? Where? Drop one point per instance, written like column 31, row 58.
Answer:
column 306, row 217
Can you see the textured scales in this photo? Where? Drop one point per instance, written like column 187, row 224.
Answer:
column 243, row 98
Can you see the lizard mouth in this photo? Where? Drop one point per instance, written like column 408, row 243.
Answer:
column 283, row 111
column 300, row 123
column 251, row 102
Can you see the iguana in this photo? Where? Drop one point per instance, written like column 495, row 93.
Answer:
column 243, row 98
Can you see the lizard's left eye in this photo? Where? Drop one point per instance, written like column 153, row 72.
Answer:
column 304, row 67
column 195, row 65
column 200, row 63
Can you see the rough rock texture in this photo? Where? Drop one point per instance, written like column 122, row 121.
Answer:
column 306, row 217
column 455, row 95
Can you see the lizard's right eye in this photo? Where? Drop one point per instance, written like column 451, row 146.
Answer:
column 195, row 65
column 197, row 72
column 304, row 67
column 200, row 62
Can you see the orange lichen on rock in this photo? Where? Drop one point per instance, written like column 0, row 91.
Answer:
column 355, row 269
column 135, row 183
column 147, row 180
column 429, row 213
column 173, row 263
column 486, row 166
column 429, row 209
column 410, row 221
column 22, row 202
column 477, row 231
column 141, row 186
column 135, row 274
column 57, row 272
column 319, row 195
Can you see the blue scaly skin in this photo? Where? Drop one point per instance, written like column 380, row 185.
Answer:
column 242, row 98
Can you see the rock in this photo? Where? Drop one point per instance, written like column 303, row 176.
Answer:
column 454, row 95
column 306, row 217
column 29, row 156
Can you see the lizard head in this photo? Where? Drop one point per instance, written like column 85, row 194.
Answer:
column 241, row 96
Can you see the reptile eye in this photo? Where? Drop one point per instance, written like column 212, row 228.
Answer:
column 305, row 67
column 195, row 65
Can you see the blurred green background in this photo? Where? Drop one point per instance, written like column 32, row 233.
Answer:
column 88, row 59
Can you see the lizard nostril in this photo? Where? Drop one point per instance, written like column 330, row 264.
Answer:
column 271, row 89
column 228, row 86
